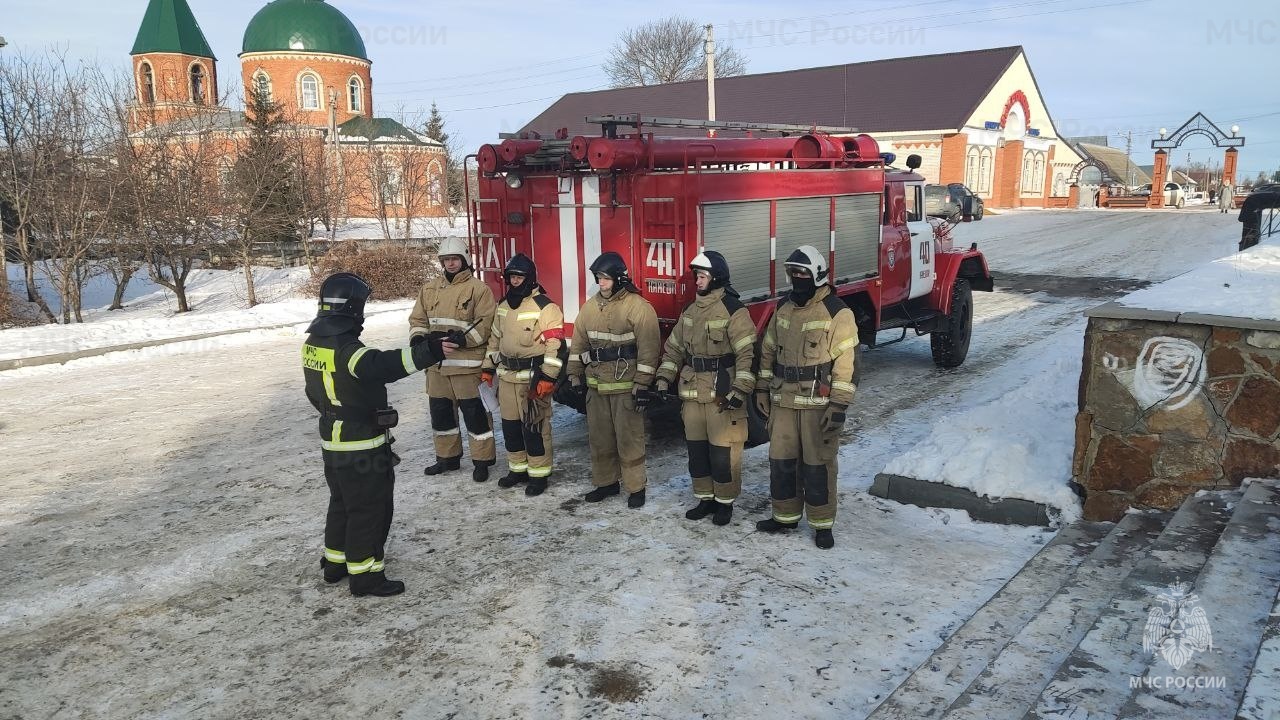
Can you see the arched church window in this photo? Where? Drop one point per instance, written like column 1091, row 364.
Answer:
column 197, row 83
column 262, row 83
column 310, row 92
column 355, row 94
column 148, row 84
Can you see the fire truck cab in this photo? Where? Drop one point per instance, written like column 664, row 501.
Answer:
column 658, row 201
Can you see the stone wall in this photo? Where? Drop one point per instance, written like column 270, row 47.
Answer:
column 1171, row 404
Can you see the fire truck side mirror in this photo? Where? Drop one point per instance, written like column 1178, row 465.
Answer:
column 913, row 162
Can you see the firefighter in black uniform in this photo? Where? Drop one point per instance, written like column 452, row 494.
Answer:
column 346, row 382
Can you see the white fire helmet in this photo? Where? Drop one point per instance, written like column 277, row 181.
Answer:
column 454, row 246
column 808, row 257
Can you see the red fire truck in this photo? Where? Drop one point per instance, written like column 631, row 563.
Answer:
column 659, row 200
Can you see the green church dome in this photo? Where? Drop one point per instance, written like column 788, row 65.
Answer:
column 303, row 26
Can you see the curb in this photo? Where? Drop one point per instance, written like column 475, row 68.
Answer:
column 1006, row 511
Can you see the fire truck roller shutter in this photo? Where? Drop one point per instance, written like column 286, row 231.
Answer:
column 857, row 236
column 802, row 221
column 740, row 232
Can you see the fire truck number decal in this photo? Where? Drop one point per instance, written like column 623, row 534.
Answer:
column 660, row 258
column 491, row 254
column 926, row 248
column 660, row 287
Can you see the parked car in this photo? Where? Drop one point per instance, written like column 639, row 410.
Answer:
column 1174, row 195
column 947, row 201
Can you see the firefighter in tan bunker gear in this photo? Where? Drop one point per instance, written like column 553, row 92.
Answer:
column 711, row 349
column 804, row 389
column 612, row 361
column 458, row 306
column 526, row 353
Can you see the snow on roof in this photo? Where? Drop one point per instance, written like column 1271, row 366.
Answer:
column 1243, row 285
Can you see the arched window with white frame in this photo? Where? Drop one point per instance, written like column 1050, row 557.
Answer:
column 310, row 92
column 262, row 84
column 971, row 168
column 984, row 170
column 355, row 94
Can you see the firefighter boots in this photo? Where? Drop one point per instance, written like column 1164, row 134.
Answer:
column 724, row 513
column 333, row 572
column 513, row 478
column 636, row 499
column 444, row 465
column 481, row 471
column 603, row 492
column 824, row 539
column 376, row 584
column 771, row 525
column 701, row 510
column 536, row 486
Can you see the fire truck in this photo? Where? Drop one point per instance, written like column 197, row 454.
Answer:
column 658, row 201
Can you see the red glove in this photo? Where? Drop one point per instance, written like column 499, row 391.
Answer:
column 486, row 376
column 544, row 388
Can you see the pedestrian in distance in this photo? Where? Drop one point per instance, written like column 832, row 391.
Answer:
column 612, row 361
column 708, row 359
column 804, row 388
column 459, row 306
column 346, row 381
column 526, row 357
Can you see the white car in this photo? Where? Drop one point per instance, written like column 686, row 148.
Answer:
column 1174, row 195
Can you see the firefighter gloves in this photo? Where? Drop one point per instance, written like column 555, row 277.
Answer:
column 486, row 377
column 732, row 401
column 642, row 398
column 834, row 417
column 763, row 404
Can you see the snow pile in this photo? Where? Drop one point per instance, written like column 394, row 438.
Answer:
column 1017, row 446
column 217, row 299
column 1245, row 284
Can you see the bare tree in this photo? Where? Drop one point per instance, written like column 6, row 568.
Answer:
column 454, row 178
column 666, row 51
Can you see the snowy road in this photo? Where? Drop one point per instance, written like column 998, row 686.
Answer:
column 163, row 511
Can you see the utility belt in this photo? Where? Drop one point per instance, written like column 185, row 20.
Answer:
column 798, row 373
column 521, row 363
column 609, row 354
column 384, row 419
column 712, row 363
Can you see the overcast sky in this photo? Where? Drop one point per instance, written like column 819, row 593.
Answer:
column 1103, row 67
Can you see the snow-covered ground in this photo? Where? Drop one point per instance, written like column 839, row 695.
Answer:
column 180, row 578
column 1246, row 284
column 371, row 229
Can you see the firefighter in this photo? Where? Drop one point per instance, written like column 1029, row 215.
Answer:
column 526, row 354
column 804, row 389
column 457, row 305
column 616, row 345
column 711, row 349
column 346, row 382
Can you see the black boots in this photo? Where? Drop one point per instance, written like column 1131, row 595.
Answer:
column 513, row 478
column 601, row 493
column 724, row 513
column 376, row 584
column 823, row 539
column 481, row 471
column 636, row 499
column 333, row 572
column 701, row 510
column 536, row 486
column 443, row 465
column 771, row 525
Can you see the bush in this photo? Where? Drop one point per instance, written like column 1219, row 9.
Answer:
column 395, row 271
column 15, row 312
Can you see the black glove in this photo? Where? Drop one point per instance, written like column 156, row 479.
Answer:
column 642, row 396
column 732, row 401
column 661, row 392
column 428, row 351
column 417, row 340
column 833, row 419
column 456, row 337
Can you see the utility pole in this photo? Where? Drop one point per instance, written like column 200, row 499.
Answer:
column 709, row 49
column 1128, row 154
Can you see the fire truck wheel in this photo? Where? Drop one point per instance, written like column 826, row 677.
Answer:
column 951, row 347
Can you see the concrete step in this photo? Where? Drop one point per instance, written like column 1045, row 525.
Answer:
column 1233, row 598
column 1010, row 684
column 1262, row 696
column 941, row 678
column 1093, row 681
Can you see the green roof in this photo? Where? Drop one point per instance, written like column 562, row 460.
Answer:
column 303, row 25
column 170, row 26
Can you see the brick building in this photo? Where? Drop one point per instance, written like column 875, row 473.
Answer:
column 975, row 117
column 308, row 57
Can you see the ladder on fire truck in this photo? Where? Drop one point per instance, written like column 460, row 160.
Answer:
column 611, row 123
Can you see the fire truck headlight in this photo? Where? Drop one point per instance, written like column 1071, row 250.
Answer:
column 514, row 181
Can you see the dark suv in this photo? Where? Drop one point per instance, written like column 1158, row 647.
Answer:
column 947, row 201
